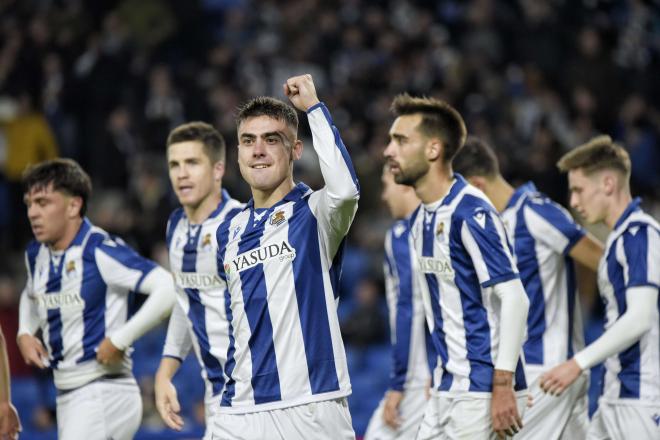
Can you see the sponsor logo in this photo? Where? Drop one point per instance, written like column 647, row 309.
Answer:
column 435, row 265
column 277, row 218
column 62, row 300
column 237, row 230
column 194, row 280
column 279, row 251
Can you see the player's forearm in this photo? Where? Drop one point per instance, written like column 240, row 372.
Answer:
column 587, row 251
column 167, row 368
column 513, row 321
column 160, row 288
column 28, row 321
column 638, row 318
column 336, row 165
column 4, row 371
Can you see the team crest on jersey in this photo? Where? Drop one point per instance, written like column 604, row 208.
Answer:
column 70, row 267
column 440, row 232
column 206, row 240
column 277, row 218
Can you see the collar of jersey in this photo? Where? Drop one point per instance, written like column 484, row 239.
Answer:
column 632, row 207
column 456, row 187
column 297, row 193
column 224, row 198
column 527, row 188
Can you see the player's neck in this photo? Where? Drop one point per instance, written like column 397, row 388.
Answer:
column 618, row 205
column 434, row 185
column 267, row 198
column 70, row 232
column 197, row 214
column 499, row 193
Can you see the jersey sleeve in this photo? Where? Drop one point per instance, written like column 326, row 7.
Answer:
column 485, row 240
column 335, row 205
column 641, row 246
column 120, row 266
column 178, row 340
column 399, row 255
column 550, row 224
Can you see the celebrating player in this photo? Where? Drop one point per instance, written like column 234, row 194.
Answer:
column 196, row 162
column 77, row 291
column 281, row 257
column 401, row 411
column 474, row 302
column 545, row 242
column 629, row 280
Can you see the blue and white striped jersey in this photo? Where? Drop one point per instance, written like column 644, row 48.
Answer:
column 201, row 294
column 282, row 266
column 200, row 315
column 410, row 366
column 543, row 233
column 632, row 259
column 462, row 251
column 79, row 296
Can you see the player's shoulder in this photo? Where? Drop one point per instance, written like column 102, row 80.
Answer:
column 399, row 229
column 472, row 204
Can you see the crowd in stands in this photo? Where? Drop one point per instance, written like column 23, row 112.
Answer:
column 104, row 82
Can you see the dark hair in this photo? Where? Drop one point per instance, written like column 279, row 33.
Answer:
column 598, row 154
column 438, row 119
column 476, row 158
column 271, row 107
column 64, row 174
column 210, row 138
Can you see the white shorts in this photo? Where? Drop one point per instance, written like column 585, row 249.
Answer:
column 325, row 420
column 557, row 417
column 101, row 410
column 411, row 412
column 625, row 421
column 460, row 417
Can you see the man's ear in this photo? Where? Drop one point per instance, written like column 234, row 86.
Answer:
column 610, row 183
column 74, row 207
column 296, row 150
column 218, row 171
column 434, row 149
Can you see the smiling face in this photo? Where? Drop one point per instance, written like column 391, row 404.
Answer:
column 588, row 194
column 51, row 213
column 406, row 151
column 267, row 148
column 194, row 178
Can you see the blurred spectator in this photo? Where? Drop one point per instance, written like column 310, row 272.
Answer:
column 366, row 325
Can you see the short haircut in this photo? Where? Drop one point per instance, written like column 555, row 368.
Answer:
column 211, row 140
column 600, row 153
column 271, row 107
column 476, row 158
column 65, row 175
column 438, row 119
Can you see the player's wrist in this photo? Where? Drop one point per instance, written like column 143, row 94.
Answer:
column 502, row 378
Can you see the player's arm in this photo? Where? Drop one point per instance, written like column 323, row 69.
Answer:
column 342, row 190
column 397, row 254
column 10, row 424
column 30, row 346
column 177, row 345
column 641, row 251
column 485, row 240
column 588, row 252
column 121, row 267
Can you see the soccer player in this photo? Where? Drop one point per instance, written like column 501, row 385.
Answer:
column 10, row 425
column 196, row 162
column 281, row 257
column 475, row 304
column 545, row 241
column 400, row 412
column 77, row 293
column 629, row 280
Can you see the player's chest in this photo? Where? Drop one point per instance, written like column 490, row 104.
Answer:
column 432, row 245
column 58, row 284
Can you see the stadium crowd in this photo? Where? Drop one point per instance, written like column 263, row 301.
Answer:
column 104, row 82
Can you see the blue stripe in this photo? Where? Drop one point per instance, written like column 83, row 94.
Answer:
column 222, row 236
column 438, row 335
column 93, row 291
column 338, row 142
column 265, row 377
column 571, row 292
column 175, row 217
column 31, row 255
column 404, row 309
column 310, row 294
column 336, row 268
column 197, row 316
column 475, row 317
column 519, row 377
column 629, row 358
column 635, row 248
column 558, row 218
column 53, row 286
column 525, row 249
